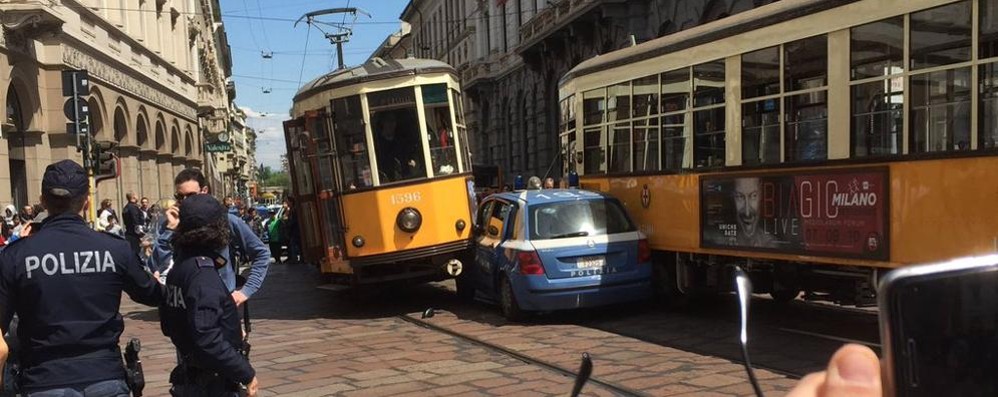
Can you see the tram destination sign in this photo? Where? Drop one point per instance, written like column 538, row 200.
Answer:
column 835, row 213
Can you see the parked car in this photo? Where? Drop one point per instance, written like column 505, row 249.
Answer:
column 545, row 250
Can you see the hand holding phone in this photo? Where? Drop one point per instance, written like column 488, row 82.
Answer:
column 939, row 329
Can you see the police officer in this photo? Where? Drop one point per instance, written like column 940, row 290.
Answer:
column 65, row 283
column 198, row 313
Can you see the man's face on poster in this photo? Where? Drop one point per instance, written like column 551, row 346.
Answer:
column 747, row 203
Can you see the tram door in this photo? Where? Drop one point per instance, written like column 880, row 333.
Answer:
column 301, row 161
column 327, row 186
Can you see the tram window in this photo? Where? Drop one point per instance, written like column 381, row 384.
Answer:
column 708, row 81
column 988, row 45
column 619, row 102
column 645, row 96
column 805, row 63
column 709, row 137
column 397, row 140
column 761, row 132
column 436, row 108
column 941, row 36
column 674, row 133
column 645, row 145
column 877, row 48
column 988, row 128
column 351, row 143
column 940, row 111
column 761, row 73
column 620, row 149
column 593, row 155
column 593, row 106
column 807, row 127
column 675, row 90
column 462, row 130
column 877, row 118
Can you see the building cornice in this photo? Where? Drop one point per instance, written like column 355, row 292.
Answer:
column 150, row 90
column 131, row 41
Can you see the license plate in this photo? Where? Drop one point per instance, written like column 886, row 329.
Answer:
column 589, row 262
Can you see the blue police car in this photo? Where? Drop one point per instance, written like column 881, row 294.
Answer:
column 545, row 250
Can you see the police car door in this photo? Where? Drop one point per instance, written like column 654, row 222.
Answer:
column 490, row 250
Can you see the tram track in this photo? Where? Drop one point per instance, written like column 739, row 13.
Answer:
column 615, row 388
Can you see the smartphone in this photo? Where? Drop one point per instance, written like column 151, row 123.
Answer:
column 939, row 329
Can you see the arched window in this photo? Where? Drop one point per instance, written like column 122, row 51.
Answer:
column 120, row 125
column 141, row 131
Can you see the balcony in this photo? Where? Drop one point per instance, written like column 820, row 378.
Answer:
column 31, row 17
column 484, row 70
column 210, row 101
column 560, row 14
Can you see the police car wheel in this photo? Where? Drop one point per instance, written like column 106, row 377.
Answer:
column 507, row 301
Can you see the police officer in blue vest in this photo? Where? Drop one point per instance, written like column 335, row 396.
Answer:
column 65, row 283
column 198, row 313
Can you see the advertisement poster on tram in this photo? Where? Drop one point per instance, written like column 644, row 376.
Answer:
column 839, row 213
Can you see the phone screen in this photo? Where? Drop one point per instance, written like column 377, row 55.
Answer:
column 944, row 334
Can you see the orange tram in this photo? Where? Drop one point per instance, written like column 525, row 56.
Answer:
column 381, row 172
column 818, row 152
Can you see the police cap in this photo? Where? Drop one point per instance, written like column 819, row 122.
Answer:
column 200, row 210
column 66, row 179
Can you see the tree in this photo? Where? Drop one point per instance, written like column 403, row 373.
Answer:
column 279, row 179
column 264, row 172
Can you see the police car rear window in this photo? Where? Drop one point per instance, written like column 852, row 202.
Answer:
column 577, row 219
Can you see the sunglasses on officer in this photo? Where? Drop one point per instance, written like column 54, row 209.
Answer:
column 182, row 196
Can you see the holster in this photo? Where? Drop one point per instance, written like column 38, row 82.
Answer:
column 134, row 375
column 206, row 382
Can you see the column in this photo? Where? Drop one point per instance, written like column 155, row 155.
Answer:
column 150, row 176
column 37, row 156
column 129, row 172
column 164, row 163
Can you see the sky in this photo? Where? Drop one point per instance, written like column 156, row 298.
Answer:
column 299, row 55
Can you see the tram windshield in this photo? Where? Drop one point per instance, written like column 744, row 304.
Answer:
column 395, row 126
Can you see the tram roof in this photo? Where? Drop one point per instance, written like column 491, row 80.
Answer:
column 373, row 69
column 735, row 24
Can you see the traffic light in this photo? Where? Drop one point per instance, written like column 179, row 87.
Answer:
column 76, row 86
column 105, row 162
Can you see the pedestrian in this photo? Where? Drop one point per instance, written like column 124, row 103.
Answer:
column 291, row 232
column 549, row 183
column 114, row 227
column 197, row 315
column 274, row 234
column 68, row 321
column 134, row 218
column 190, row 182
column 104, row 212
column 144, row 207
column 10, row 220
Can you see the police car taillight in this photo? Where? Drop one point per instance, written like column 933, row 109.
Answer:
column 644, row 251
column 530, row 263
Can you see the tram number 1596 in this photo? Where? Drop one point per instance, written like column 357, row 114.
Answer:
column 406, row 198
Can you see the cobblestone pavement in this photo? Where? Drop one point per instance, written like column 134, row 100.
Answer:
column 312, row 342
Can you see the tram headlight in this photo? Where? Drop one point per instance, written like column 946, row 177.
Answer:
column 460, row 225
column 358, row 241
column 409, row 220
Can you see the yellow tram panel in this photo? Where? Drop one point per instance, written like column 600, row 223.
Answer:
column 371, row 215
column 937, row 211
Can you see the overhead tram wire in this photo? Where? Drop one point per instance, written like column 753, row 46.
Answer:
column 279, row 19
column 307, row 36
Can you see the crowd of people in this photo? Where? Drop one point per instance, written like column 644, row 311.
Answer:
column 62, row 281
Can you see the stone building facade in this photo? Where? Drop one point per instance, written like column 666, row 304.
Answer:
column 519, row 49
column 158, row 72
